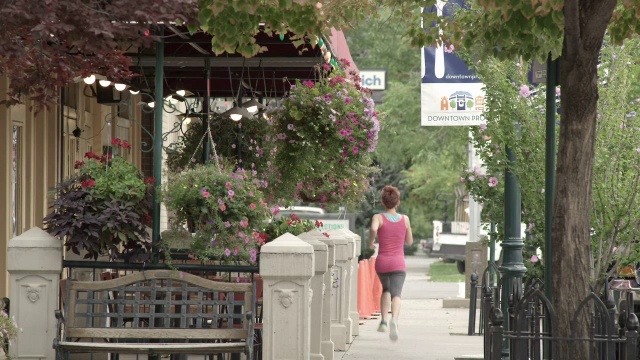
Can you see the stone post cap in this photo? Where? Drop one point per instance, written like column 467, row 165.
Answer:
column 287, row 257
column 356, row 236
column 351, row 243
column 331, row 251
column 34, row 250
column 320, row 250
column 287, row 243
column 35, row 238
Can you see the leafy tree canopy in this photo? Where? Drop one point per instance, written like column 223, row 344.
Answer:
column 46, row 44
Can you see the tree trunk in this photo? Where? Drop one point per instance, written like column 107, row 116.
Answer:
column 585, row 24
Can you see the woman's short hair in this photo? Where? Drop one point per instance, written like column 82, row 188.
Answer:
column 390, row 196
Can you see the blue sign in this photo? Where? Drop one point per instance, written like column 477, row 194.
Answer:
column 441, row 64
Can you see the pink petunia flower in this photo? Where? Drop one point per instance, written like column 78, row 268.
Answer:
column 534, row 259
column 493, row 181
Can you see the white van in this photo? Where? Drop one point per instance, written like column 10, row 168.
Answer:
column 299, row 210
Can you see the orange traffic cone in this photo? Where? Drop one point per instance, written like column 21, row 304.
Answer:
column 376, row 285
column 364, row 293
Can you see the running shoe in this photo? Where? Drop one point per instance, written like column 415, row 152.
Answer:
column 383, row 326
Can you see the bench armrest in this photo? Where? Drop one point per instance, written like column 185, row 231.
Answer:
column 60, row 319
column 250, row 335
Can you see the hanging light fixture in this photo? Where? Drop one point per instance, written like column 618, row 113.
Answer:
column 236, row 113
column 252, row 106
column 89, row 79
column 104, row 83
column 180, row 88
column 120, row 87
column 134, row 91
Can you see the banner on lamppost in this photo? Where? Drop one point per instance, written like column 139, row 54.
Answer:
column 451, row 94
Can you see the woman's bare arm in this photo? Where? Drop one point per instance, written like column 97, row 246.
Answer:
column 408, row 238
column 373, row 231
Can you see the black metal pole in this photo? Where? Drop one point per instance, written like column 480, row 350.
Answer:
column 550, row 171
column 206, row 110
column 157, row 142
column 512, row 267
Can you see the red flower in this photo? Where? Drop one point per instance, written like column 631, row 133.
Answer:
column 319, row 223
column 294, row 217
column 308, row 83
column 90, row 155
column 336, row 80
column 126, row 145
column 79, row 164
column 147, row 219
column 325, row 234
column 116, row 141
column 150, row 180
column 88, row 183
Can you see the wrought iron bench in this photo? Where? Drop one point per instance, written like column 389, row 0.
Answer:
column 156, row 312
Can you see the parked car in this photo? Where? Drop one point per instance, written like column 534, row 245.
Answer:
column 298, row 210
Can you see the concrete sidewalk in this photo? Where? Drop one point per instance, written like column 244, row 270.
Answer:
column 427, row 330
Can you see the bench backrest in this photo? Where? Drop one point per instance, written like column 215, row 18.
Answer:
column 158, row 304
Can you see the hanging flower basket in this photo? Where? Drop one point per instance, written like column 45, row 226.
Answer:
column 226, row 208
column 322, row 138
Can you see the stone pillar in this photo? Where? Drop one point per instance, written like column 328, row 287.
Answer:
column 326, row 344
column 339, row 288
column 317, row 287
column 353, row 307
column 348, row 271
column 286, row 267
column 34, row 262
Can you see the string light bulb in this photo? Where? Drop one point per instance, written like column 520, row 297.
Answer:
column 120, row 87
column 89, row 79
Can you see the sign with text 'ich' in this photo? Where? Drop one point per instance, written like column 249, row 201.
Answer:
column 373, row 79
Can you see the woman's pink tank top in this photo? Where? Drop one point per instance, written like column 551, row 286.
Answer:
column 391, row 245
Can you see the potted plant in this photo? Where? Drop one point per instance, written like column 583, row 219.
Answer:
column 8, row 330
column 323, row 134
column 292, row 224
column 225, row 209
column 104, row 209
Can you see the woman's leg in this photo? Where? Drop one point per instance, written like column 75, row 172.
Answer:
column 385, row 300
column 386, row 304
column 395, row 307
column 396, row 283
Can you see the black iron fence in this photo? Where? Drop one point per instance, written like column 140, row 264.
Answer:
column 528, row 330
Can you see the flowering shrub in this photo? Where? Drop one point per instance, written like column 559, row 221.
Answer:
column 104, row 209
column 8, row 330
column 322, row 138
column 224, row 208
column 292, row 224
